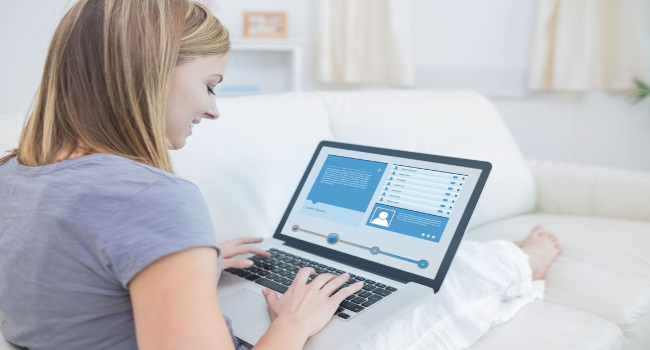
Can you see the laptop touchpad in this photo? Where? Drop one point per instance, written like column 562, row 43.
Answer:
column 245, row 308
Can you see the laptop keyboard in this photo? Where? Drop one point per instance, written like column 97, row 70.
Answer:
column 278, row 271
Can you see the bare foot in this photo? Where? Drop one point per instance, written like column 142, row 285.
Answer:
column 542, row 247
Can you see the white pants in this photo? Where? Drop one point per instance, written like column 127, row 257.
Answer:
column 487, row 284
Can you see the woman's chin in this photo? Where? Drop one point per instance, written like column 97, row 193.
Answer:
column 176, row 144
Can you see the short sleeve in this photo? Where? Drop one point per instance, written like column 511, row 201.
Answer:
column 168, row 216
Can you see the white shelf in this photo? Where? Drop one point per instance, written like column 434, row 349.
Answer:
column 263, row 66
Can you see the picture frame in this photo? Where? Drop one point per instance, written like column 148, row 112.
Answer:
column 265, row 25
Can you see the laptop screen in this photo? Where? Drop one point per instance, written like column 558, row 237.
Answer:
column 398, row 214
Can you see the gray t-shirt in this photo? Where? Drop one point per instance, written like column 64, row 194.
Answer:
column 72, row 236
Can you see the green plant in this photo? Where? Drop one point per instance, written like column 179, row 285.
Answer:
column 642, row 91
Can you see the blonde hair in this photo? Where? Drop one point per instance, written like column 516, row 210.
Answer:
column 107, row 76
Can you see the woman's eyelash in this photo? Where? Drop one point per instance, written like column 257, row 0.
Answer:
column 210, row 90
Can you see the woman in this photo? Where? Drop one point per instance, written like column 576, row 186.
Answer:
column 101, row 245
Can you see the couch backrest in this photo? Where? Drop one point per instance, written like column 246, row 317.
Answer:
column 456, row 124
column 249, row 162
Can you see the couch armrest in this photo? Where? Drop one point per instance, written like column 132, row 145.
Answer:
column 565, row 188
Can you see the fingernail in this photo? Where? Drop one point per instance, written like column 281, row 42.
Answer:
column 264, row 292
column 248, row 262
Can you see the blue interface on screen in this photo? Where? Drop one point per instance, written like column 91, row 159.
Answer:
column 394, row 211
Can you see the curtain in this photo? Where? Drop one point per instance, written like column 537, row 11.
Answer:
column 583, row 45
column 364, row 42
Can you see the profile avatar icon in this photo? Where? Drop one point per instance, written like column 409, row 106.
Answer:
column 381, row 219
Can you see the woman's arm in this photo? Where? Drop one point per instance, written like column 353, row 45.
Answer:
column 175, row 303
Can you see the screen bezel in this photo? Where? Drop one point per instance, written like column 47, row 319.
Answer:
column 376, row 268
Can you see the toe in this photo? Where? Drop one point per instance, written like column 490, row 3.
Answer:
column 538, row 228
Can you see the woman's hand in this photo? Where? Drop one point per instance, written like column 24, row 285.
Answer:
column 309, row 305
column 237, row 246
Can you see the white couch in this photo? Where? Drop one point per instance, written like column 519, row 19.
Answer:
column 249, row 162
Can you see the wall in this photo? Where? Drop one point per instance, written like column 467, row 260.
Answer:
column 484, row 46
column 463, row 44
column 26, row 28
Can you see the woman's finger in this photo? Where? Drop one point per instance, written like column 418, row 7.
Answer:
column 341, row 295
column 302, row 276
column 237, row 263
column 335, row 283
column 245, row 249
column 271, row 298
column 321, row 280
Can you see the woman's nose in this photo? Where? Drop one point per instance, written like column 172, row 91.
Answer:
column 213, row 111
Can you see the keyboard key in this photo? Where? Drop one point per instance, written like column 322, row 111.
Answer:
column 344, row 316
column 364, row 294
column 350, row 297
column 252, row 277
column 352, row 306
column 380, row 285
column 369, row 282
column 279, row 279
column 359, row 278
column 381, row 292
column 368, row 287
column 339, row 309
column 369, row 303
column 272, row 285
column 391, row 289
column 375, row 297
column 358, row 300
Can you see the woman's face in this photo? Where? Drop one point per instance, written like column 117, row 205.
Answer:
column 191, row 96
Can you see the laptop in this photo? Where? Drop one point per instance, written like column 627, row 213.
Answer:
column 393, row 219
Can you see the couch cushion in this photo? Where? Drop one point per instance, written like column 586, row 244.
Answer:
column 249, row 161
column 594, row 273
column 544, row 325
column 457, row 124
